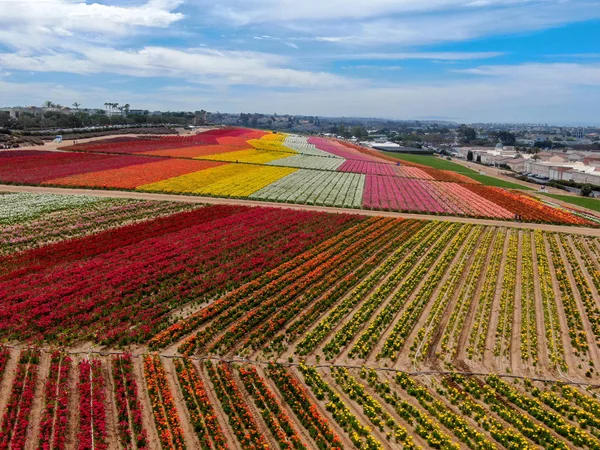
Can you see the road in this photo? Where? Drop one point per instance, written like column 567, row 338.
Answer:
column 235, row 201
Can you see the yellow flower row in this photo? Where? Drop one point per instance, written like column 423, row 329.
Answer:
column 247, row 156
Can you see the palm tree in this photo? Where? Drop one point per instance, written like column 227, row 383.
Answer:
column 76, row 105
column 48, row 104
column 126, row 107
column 106, row 106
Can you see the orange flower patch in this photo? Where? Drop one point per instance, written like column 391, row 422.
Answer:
column 201, row 150
column 133, row 176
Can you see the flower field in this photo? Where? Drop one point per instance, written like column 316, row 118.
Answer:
column 242, row 163
column 146, row 325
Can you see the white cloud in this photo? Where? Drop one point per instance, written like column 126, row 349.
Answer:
column 35, row 24
column 200, row 65
column 554, row 73
column 442, row 56
column 271, row 11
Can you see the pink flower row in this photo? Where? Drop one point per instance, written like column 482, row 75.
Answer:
column 403, row 194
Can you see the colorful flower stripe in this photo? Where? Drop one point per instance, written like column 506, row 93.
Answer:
column 368, row 167
column 202, row 413
column 92, row 433
column 56, row 226
column 91, row 286
column 360, row 435
column 308, row 162
column 15, row 209
column 271, row 410
column 316, row 188
column 398, row 194
column 166, row 416
column 197, row 152
column 338, row 149
column 412, row 172
column 15, row 421
column 231, row 180
column 43, row 166
column 306, row 410
column 278, row 277
column 253, row 310
column 54, row 421
column 248, row 156
column 529, row 208
column 133, row 176
column 129, row 410
column 243, row 423
column 301, row 145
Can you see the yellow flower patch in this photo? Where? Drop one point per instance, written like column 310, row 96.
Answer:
column 247, row 156
column 231, row 180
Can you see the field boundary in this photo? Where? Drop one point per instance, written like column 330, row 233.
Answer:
column 419, row 373
column 330, row 209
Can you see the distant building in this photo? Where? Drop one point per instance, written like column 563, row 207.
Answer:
column 393, row 147
column 580, row 133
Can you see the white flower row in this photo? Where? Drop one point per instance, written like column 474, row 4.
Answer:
column 15, row 208
column 308, row 162
column 301, row 145
column 316, row 188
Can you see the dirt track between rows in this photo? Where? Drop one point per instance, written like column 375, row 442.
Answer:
column 234, row 201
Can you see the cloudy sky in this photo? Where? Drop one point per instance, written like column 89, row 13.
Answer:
column 462, row 60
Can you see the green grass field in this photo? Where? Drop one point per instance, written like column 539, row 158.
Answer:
column 585, row 202
column 443, row 164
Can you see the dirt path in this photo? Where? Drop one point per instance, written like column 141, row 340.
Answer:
column 7, row 380
column 73, row 408
column 147, row 413
column 37, row 406
column 234, row 201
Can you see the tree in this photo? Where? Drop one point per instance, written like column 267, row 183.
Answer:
column 76, row 105
column 479, row 159
column 468, row 134
column 126, row 108
column 506, row 137
column 470, row 156
column 48, row 104
column 586, row 190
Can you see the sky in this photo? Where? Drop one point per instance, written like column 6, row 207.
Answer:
column 534, row 61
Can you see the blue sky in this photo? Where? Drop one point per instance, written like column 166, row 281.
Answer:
column 465, row 60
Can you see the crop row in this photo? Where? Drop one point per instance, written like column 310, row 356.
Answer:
column 202, row 412
column 316, row 188
column 15, row 420
column 241, row 420
column 423, row 340
column 54, row 421
column 413, row 311
column 573, row 317
column 360, row 434
column 464, row 301
column 79, row 287
column 479, row 329
column 507, row 297
column 129, row 409
column 247, row 312
column 529, row 330
column 271, row 410
column 425, row 268
column 267, row 283
column 52, row 225
column 409, row 254
column 165, row 413
column 261, row 322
